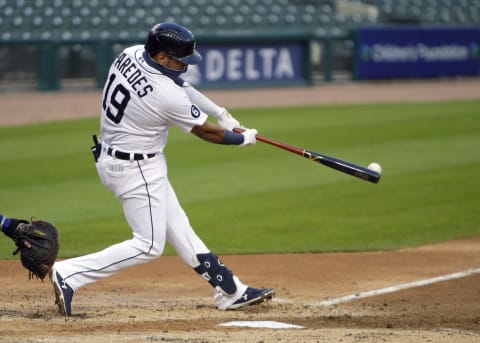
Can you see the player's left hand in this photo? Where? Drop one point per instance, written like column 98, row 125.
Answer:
column 227, row 121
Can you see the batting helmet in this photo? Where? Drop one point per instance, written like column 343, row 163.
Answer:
column 175, row 40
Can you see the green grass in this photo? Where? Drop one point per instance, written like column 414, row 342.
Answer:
column 261, row 199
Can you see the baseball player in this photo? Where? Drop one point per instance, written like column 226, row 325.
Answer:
column 143, row 97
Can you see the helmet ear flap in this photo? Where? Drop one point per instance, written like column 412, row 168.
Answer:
column 174, row 40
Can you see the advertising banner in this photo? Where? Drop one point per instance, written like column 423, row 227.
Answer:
column 416, row 52
column 233, row 65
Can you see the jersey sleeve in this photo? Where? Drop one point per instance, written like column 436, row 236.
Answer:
column 205, row 104
column 181, row 112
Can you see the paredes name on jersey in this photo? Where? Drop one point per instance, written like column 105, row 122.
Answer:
column 133, row 75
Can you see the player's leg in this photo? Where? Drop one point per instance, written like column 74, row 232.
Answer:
column 229, row 291
column 143, row 192
column 147, row 244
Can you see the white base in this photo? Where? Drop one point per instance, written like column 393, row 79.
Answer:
column 262, row 324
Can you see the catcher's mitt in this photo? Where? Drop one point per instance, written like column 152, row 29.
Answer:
column 38, row 244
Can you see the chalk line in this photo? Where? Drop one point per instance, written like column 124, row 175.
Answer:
column 392, row 289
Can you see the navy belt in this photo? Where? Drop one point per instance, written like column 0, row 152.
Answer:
column 126, row 156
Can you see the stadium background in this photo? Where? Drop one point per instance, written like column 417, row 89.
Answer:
column 52, row 44
column 30, row 29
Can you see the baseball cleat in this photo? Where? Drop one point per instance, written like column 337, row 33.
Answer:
column 63, row 293
column 252, row 296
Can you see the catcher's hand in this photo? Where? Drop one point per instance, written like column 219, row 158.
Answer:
column 38, row 244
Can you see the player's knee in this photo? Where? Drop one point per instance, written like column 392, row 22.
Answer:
column 155, row 251
column 215, row 272
column 149, row 248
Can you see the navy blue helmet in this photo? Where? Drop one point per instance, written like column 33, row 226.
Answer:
column 174, row 40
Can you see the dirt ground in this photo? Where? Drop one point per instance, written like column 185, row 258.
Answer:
column 22, row 108
column 164, row 301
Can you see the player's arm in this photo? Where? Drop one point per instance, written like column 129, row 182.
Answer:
column 216, row 134
column 224, row 118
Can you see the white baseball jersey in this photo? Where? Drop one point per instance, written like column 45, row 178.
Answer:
column 140, row 104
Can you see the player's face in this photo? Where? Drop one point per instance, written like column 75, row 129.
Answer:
column 175, row 64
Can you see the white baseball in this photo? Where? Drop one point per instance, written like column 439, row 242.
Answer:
column 375, row 167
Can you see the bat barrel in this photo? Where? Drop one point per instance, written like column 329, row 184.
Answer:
column 332, row 162
column 343, row 166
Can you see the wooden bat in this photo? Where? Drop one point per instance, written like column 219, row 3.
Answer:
column 332, row 162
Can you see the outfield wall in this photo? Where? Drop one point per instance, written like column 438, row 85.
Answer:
column 275, row 59
column 399, row 52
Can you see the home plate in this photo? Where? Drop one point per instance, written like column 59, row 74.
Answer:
column 262, row 324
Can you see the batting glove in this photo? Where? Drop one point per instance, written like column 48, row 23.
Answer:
column 227, row 121
column 249, row 137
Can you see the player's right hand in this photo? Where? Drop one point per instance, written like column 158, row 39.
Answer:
column 249, row 137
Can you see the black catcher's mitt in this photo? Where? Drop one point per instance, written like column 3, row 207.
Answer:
column 38, row 244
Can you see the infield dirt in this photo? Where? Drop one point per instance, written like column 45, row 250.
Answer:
column 166, row 301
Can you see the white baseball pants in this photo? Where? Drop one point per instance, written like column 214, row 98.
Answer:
column 153, row 212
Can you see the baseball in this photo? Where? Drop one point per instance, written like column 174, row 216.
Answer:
column 375, row 167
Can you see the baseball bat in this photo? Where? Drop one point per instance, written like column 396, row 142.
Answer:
column 332, row 162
